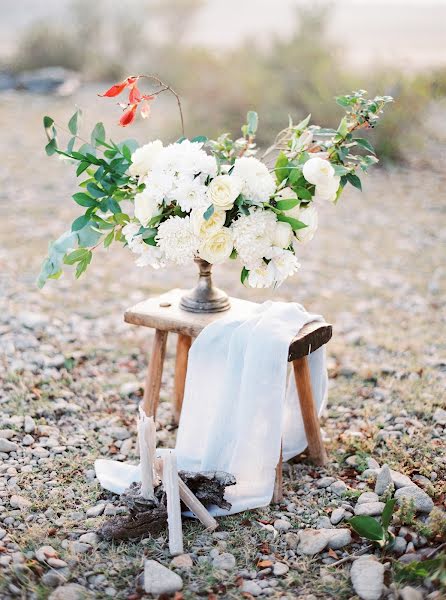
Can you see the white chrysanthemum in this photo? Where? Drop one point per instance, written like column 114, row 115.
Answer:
column 143, row 158
column 151, row 256
column 308, row 216
column 204, row 228
column 283, row 234
column 185, row 159
column 261, row 275
column 177, row 240
column 190, row 195
column 158, row 185
column 132, row 237
column 146, row 206
column 284, row 264
column 258, row 183
column 254, row 235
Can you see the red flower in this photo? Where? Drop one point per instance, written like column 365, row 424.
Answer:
column 134, row 95
column 128, row 115
column 116, row 89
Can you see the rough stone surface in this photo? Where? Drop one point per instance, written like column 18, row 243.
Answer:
column 372, row 509
column 7, row 446
column 282, row 525
column 70, row 591
column 400, row 480
column 20, row 502
column 158, row 579
column 337, row 515
column 368, row 497
column 182, row 561
column 367, row 576
column 251, row 587
column 225, row 561
column 338, row 488
column 280, row 569
column 383, row 481
column 423, row 502
column 338, row 538
column 410, row 593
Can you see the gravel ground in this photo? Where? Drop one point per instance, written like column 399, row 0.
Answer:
column 71, row 374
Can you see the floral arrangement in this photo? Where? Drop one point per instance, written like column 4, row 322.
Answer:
column 211, row 199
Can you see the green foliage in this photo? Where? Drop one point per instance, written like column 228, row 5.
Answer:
column 433, row 570
column 371, row 529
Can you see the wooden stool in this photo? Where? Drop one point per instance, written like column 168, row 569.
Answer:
column 163, row 314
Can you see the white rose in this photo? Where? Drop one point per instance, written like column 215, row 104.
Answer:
column 327, row 191
column 223, row 190
column 218, row 247
column 286, row 194
column 144, row 157
column 283, row 234
column 146, row 207
column 204, row 228
column 318, row 171
column 310, row 218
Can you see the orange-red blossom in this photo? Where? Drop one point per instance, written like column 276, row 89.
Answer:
column 135, row 99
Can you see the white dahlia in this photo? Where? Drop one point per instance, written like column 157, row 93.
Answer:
column 254, row 235
column 143, row 158
column 190, row 195
column 284, row 263
column 177, row 240
column 261, row 275
column 258, row 183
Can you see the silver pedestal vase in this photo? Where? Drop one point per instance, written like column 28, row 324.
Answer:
column 205, row 298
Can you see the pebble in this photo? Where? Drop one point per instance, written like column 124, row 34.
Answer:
column 291, row 540
column 439, row 416
column 367, row 576
column 3, row 533
column 44, row 553
column 372, row 463
column 89, row 538
column 324, row 482
column 338, row 488
column 29, row 424
column 399, row 545
column 368, row 497
column 158, row 579
column 312, row 541
column 27, row 440
column 7, row 446
column 280, row 569
column 337, row 515
column 339, row 538
column 95, row 511
column 224, row 561
column 282, row 525
column 423, row 502
column 251, row 587
column 383, row 480
column 410, row 593
column 7, row 434
column 182, row 561
column 70, row 591
column 400, row 480
column 371, row 509
column 118, row 433
column 53, row 578
column 323, row 522
column 19, row 502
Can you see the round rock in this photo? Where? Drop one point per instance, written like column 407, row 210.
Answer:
column 367, row 576
column 422, row 502
column 158, row 579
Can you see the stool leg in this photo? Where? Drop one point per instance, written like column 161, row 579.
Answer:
column 311, row 421
column 183, row 345
column 278, row 483
column 154, row 374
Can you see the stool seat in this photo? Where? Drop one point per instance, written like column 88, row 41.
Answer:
column 164, row 313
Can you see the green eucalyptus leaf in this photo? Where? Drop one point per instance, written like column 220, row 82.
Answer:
column 75, row 256
column 98, row 134
column 199, row 138
column 208, row 212
column 368, row 527
column 73, row 123
column 354, row 181
column 80, row 222
column 287, row 203
column 343, row 127
column 252, row 120
column 281, row 167
column 51, row 147
column 365, row 144
column 47, row 122
column 109, row 238
column 303, row 193
column 84, row 200
column 244, row 275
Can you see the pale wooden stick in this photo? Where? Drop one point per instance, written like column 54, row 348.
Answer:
column 170, row 483
column 191, row 501
column 147, row 445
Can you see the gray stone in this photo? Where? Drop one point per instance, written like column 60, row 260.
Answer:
column 368, row 497
column 400, row 480
column 371, row 509
column 410, row 593
column 7, row 434
column 182, row 561
column 19, row 502
column 323, row 522
column 339, row 538
column 383, row 481
column 158, row 579
column 225, row 561
column 7, row 446
column 3, row 533
column 95, row 511
column 44, row 553
column 29, row 424
column 367, row 576
column 337, row 515
column 291, row 540
column 53, row 578
column 399, row 545
column 89, row 538
column 70, row 591
column 56, row 563
column 439, row 416
column 422, row 502
column 324, row 482
column 251, row 587
column 27, row 440
column 282, row 525
column 118, row 433
column 372, row 463
column 338, row 488
column 280, row 569
column 312, row 541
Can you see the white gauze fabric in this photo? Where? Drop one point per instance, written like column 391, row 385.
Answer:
column 240, row 403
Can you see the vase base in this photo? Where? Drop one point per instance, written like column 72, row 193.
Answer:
column 218, row 302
